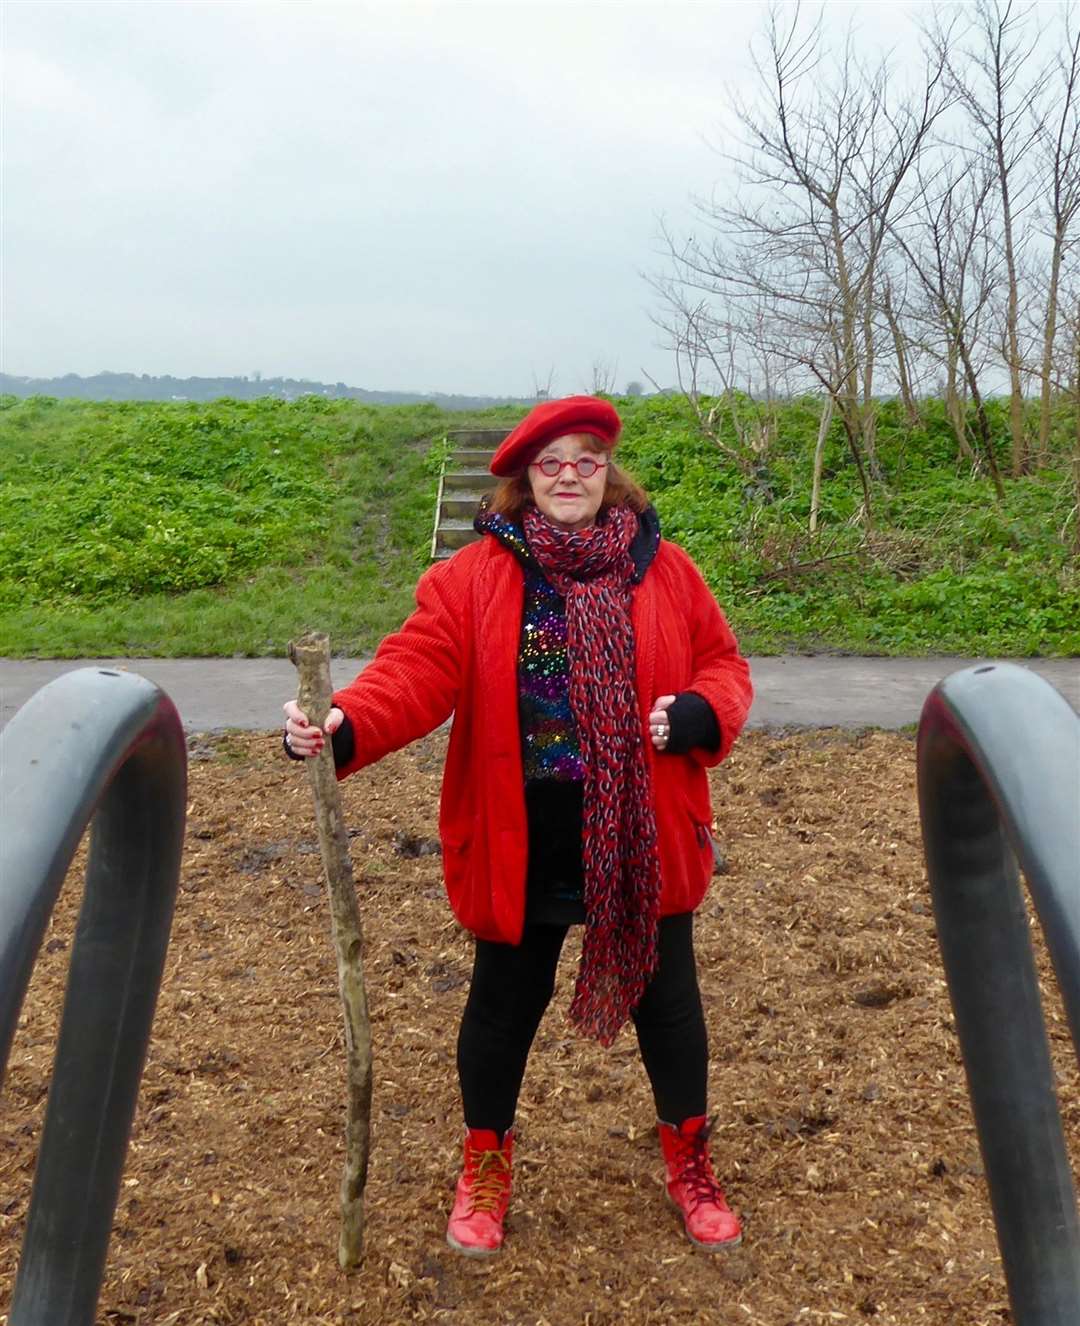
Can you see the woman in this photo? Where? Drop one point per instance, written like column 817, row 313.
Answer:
column 592, row 679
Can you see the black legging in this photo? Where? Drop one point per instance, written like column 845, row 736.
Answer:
column 511, row 987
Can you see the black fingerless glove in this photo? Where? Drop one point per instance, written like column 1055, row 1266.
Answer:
column 691, row 723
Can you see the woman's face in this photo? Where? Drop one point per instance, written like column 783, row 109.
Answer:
column 567, row 499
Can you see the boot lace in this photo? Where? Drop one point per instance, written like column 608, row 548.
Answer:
column 488, row 1179
column 696, row 1171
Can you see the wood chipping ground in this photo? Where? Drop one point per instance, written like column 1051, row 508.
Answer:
column 843, row 1133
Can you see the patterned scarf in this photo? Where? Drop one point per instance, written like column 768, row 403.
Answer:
column 592, row 570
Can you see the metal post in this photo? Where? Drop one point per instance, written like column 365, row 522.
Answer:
column 106, row 745
column 999, row 782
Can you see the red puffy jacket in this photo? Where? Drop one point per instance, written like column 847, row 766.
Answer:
column 458, row 654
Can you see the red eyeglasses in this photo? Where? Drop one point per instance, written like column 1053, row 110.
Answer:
column 585, row 466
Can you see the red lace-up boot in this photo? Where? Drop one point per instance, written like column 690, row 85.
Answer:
column 692, row 1185
column 483, row 1194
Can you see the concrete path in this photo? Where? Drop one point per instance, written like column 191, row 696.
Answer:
column 792, row 691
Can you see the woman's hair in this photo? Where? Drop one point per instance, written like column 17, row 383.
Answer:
column 514, row 494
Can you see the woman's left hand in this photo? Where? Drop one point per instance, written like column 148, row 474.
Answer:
column 659, row 727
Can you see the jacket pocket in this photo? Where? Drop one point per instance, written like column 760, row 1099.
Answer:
column 698, row 809
column 707, row 845
column 455, row 866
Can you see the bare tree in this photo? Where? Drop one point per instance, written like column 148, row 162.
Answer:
column 1075, row 357
column 604, row 376
column 949, row 248
column 1059, row 142
column 824, row 424
column 891, row 157
column 1076, row 445
column 708, row 374
column 543, row 387
column 828, row 151
column 805, row 143
column 994, row 78
column 881, row 235
column 1065, row 382
column 902, row 349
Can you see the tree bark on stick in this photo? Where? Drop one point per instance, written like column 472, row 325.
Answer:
column 311, row 654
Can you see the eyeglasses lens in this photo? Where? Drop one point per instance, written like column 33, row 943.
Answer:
column 551, row 466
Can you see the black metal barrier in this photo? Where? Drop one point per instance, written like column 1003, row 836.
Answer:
column 106, row 745
column 999, row 782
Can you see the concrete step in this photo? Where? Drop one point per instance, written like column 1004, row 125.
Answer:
column 471, row 459
column 486, row 438
column 455, row 534
column 479, row 481
column 459, row 505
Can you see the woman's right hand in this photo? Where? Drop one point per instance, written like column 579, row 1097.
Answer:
column 302, row 737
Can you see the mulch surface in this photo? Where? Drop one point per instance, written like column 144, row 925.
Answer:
column 844, row 1134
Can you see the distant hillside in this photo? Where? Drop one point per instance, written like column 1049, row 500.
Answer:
column 143, row 387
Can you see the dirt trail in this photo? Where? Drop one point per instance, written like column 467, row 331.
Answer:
column 843, row 1133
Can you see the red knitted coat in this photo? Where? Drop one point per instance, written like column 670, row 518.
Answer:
column 458, row 654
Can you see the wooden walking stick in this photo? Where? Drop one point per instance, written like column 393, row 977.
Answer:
column 311, row 654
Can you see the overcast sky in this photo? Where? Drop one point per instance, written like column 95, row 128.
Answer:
column 445, row 196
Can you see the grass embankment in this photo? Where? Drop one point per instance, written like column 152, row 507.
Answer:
column 208, row 529
column 180, row 529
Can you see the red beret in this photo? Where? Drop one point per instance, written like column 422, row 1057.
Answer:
column 552, row 419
